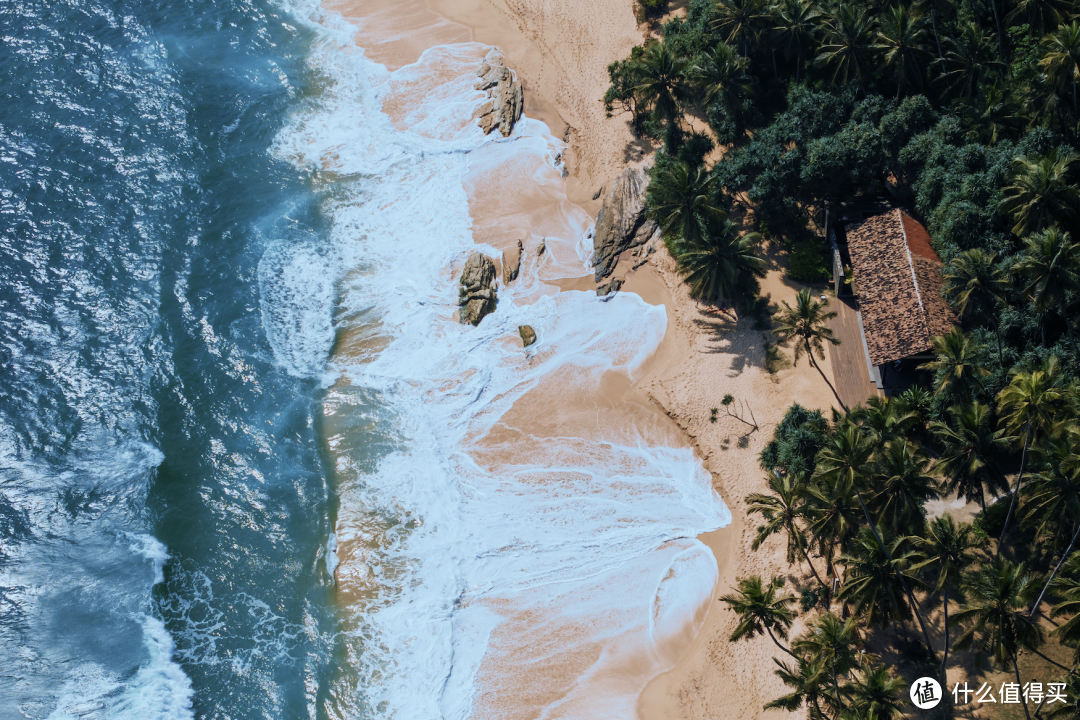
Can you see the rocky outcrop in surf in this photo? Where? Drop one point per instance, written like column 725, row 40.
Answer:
column 477, row 293
column 505, row 99
column 511, row 262
column 621, row 223
column 528, row 335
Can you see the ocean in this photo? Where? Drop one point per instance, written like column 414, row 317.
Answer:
column 252, row 467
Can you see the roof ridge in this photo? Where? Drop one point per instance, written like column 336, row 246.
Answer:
column 911, row 264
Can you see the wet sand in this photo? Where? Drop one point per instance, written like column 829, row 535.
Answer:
column 560, row 50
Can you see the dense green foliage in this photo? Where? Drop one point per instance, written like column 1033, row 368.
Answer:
column 967, row 114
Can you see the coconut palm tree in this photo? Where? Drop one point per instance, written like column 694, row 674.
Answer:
column 848, row 49
column 1067, row 588
column 991, row 114
column 680, row 199
column 901, row 42
column 722, row 76
column 1051, row 267
column 1061, row 63
column 1042, row 193
column 740, row 21
column 782, row 511
column 721, row 264
column 874, row 693
column 976, row 287
column 968, row 62
column 956, row 367
column 970, row 452
column 831, row 641
column 795, row 24
column 902, row 485
column 1052, row 499
column 808, row 679
column 934, row 5
column 945, row 550
column 998, row 595
column 661, row 78
column 833, row 516
column 1029, row 403
column 880, row 419
column 872, row 578
column 1042, row 16
column 807, row 325
column 761, row 610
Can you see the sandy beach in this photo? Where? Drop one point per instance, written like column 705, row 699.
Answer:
column 560, row 49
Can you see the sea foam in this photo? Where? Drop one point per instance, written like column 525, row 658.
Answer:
column 541, row 575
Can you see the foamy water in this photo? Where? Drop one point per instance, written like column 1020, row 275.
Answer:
column 488, row 568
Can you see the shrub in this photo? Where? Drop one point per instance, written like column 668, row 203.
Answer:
column 808, row 260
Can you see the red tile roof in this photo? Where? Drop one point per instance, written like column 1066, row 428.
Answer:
column 898, row 279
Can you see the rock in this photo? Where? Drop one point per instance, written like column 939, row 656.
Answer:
column 610, row 288
column 650, row 246
column 511, row 262
column 598, row 193
column 619, row 221
column 505, row 99
column 528, row 335
column 478, row 297
column 541, row 248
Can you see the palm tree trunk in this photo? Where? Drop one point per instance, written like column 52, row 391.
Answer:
column 1016, row 669
column 933, row 21
column 1016, row 492
column 807, row 557
column 810, row 353
column 1057, row 567
column 1000, row 36
column 899, row 575
column 997, row 333
column 1065, row 316
column 945, row 653
column 777, row 642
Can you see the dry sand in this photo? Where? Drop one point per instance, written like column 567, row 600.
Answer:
column 560, row 50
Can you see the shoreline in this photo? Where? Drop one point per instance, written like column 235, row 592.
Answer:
column 700, row 356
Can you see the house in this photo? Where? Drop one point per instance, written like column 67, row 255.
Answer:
column 896, row 278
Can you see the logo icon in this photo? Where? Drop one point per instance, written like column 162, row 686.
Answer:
column 926, row 693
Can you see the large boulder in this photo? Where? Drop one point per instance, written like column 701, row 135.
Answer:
column 621, row 222
column 505, row 99
column 528, row 335
column 511, row 262
column 477, row 292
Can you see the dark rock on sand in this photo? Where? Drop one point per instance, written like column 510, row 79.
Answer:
column 541, row 248
column 528, row 335
column 511, row 262
column 610, row 288
column 505, row 100
column 620, row 224
column 478, row 297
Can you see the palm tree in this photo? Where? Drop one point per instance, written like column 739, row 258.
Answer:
column 1051, row 266
column 1052, row 499
column 806, row 323
column 761, row 610
column 874, row 693
column 956, row 367
column 722, row 75
column 998, row 595
column 902, row 40
column 1067, row 587
column 661, row 84
column 902, row 486
column 1042, row 193
column 795, row 29
column 834, row 516
column 680, row 199
column 1071, row 707
column 831, row 641
column 880, row 419
column 849, row 45
column 969, row 453
column 1030, row 401
column 1062, row 60
column 721, row 264
column 947, row 549
column 872, row 582
column 781, row 511
column 740, row 21
column 1042, row 16
column 990, row 114
column 807, row 678
column 976, row 288
column 968, row 61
